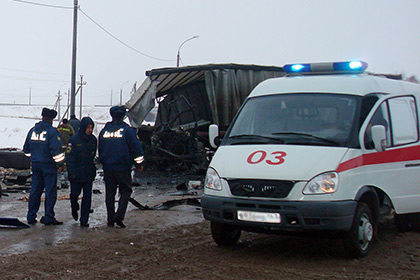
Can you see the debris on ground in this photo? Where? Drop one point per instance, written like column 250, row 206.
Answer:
column 11, row 176
column 195, row 201
column 192, row 188
column 12, row 223
column 62, row 197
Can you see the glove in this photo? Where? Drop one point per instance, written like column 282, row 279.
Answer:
column 60, row 166
column 139, row 167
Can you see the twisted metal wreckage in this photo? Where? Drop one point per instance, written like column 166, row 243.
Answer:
column 188, row 100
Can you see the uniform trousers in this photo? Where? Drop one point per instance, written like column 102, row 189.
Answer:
column 122, row 182
column 44, row 176
column 75, row 191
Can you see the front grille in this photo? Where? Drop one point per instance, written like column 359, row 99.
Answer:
column 260, row 188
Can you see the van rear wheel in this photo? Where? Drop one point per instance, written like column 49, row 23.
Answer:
column 357, row 241
column 225, row 235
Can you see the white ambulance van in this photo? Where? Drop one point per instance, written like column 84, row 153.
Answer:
column 327, row 148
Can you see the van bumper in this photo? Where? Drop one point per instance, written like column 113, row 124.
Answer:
column 295, row 215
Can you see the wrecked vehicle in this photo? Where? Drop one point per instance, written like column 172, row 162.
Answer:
column 14, row 168
column 188, row 100
column 13, row 158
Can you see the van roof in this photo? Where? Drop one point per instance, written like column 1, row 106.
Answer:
column 355, row 84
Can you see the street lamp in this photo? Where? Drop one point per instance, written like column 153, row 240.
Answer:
column 178, row 55
column 121, row 92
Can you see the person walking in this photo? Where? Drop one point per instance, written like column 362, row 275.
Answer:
column 75, row 123
column 119, row 148
column 43, row 147
column 81, row 169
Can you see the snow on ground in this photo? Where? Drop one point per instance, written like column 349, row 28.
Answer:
column 16, row 120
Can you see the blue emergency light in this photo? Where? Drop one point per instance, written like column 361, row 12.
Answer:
column 328, row 67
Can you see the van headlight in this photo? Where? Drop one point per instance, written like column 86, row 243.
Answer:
column 324, row 183
column 213, row 180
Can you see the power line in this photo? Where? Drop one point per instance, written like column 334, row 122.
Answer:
column 43, row 5
column 35, row 72
column 30, row 79
column 128, row 46
column 91, row 19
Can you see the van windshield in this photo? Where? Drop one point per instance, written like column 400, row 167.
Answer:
column 298, row 119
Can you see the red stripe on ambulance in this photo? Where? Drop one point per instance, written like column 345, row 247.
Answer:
column 390, row 156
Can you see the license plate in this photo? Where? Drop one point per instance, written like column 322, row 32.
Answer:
column 259, row 217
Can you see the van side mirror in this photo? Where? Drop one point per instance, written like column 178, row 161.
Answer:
column 379, row 137
column 214, row 138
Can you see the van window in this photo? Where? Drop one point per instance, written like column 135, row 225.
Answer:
column 402, row 129
column 302, row 119
column 381, row 117
column 404, row 120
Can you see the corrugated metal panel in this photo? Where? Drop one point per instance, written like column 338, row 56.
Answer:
column 175, row 77
column 176, row 80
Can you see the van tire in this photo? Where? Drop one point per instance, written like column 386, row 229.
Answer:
column 357, row 242
column 225, row 235
column 407, row 222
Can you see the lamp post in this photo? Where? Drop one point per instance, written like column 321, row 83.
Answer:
column 121, row 92
column 179, row 49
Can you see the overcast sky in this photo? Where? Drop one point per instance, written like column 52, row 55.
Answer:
column 36, row 49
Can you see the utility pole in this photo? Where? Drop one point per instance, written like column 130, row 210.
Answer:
column 68, row 103
column 30, row 94
column 121, row 92
column 73, row 65
column 82, row 83
column 59, row 104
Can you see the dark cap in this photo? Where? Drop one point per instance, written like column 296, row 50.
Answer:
column 117, row 112
column 49, row 113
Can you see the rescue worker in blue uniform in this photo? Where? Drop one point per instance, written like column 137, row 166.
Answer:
column 119, row 148
column 80, row 155
column 43, row 147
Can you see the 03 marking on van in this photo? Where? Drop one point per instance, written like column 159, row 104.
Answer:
column 275, row 158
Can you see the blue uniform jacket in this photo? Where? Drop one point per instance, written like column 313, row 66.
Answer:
column 43, row 144
column 80, row 155
column 119, row 147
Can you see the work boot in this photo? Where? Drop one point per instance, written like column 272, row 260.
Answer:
column 74, row 213
column 32, row 222
column 119, row 222
column 110, row 224
column 82, row 224
column 53, row 223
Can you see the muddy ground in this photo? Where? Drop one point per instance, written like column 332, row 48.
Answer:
column 176, row 244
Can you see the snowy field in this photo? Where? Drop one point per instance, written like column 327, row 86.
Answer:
column 16, row 120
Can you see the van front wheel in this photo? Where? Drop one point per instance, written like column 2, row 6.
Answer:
column 357, row 241
column 225, row 235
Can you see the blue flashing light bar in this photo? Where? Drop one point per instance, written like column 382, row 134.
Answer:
column 330, row 67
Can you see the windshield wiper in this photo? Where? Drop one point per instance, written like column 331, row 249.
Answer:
column 255, row 136
column 307, row 135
